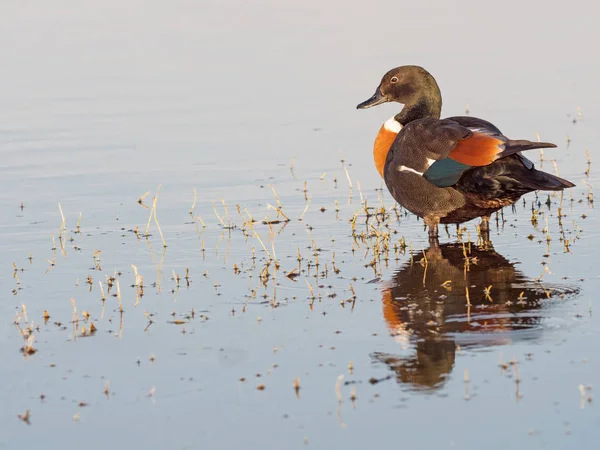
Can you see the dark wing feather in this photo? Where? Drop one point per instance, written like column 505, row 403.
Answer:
column 526, row 162
column 510, row 178
column 475, row 122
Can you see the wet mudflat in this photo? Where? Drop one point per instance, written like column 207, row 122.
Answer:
column 198, row 251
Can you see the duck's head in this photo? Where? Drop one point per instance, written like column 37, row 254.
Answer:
column 409, row 85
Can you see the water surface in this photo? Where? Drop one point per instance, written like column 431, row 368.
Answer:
column 102, row 103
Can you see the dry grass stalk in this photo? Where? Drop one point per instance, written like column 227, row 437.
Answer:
column 62, row 231
column 193, row 204
column 263, row 245
column 141, row 199
column 347, row 176
column 119, row 297
column 306, row 208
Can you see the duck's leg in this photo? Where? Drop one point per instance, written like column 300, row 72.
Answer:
column 432, row 223
column 484, row 229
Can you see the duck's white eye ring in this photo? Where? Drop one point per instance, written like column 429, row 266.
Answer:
column 394, row 80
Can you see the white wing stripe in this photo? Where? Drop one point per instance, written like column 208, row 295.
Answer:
column 408, row 169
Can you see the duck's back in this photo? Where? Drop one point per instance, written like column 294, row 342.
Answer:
column 461, row 168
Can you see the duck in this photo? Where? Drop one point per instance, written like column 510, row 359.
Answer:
column 453, row 170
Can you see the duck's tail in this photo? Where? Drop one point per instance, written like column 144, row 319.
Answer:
column 520, row 145
column 539, row 180
column 534, row 179
column 511, row 147
column 510, row 178
column 544, row 181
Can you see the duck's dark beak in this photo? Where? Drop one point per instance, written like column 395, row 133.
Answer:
column 377, row 99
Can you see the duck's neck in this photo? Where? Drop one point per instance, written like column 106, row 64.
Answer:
column 426, row 107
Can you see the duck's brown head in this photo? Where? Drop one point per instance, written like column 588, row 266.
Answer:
column 412, row 86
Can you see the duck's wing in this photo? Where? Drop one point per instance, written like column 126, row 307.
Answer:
column 475, row 123
column 458, row 148
column 510, row 178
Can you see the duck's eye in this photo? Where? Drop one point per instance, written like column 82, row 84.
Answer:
column 394, row 80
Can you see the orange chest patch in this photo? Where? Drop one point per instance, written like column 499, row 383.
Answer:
column 383, row 142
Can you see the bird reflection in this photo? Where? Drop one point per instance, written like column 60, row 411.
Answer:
column 457, row 294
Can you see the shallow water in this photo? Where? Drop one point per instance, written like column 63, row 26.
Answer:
column 449, row 347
